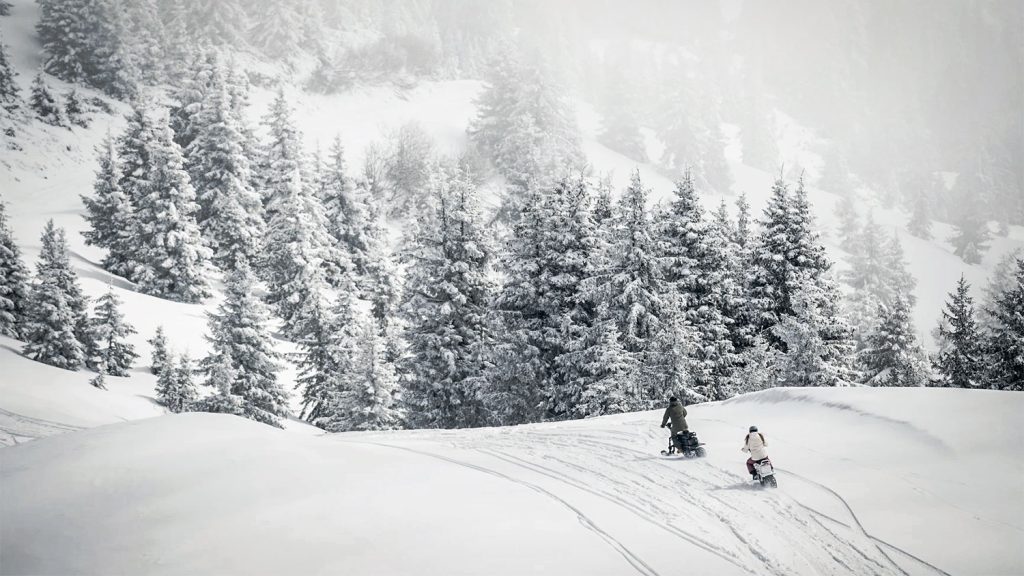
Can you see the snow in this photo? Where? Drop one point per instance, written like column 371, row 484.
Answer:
column 39, row 400
column 871, row 481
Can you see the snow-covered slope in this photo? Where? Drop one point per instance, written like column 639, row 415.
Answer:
column 872, row 481
column 57, row 165
column 39, row 401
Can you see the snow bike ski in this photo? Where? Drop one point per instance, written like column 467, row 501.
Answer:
column 685, row 443
column 764, row 473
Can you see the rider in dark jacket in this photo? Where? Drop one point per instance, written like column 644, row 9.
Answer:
column 675, row 412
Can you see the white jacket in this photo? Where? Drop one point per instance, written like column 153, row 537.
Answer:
column 755, row 444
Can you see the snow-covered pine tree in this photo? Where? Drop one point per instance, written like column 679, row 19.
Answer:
column 176, row 388
column 817, row 343
column 611, row 372
column 160, row 356
column 297, row 250
column 744, row 234
column 667, row 369
column 869, row 279
column 54, row 254
column 56, row 311
column 567, row 284
column 83, row 41
column 281, row 163
column 5, row 8
column 218, row 22
column 771, row 270
column 380, row 282
column 893, row 356
column 920, row 224
column 1001, row 279
column 807, row 255
column 221, row 375
column 349, row 219
column 758, row 367
column 277, row 31
column 513, row 394
column 604, row 205
column 190, row 94
column 239, row 330
column 786, row 255
column 74, row 108
column 370, row 397
column 10, row 92
column 134, row 152
column 722, row 222
column 1005, row 340
column 899, row 279
column 230, row 211
column 446, row 303
column 960, row 362
column 44, row 104
column 695, row 265
column 523, row 125
column 849, row 223
column 621, row 127
column 100, row 381
column 714, row 167
column 760, row 148
column 634, row 287
column 835, row 174
column 409, row 164
column 14, row 287
column 146, row 46
column 521, row 360
column 169, row 244
column 63, row 38
column 109, row 352
column 326, row 346
column 744, row 311
column 971, row 235
column 110, row 215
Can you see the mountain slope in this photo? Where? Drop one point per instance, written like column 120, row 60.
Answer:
column 863, row 490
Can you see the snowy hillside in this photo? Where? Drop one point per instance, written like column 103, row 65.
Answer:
column 57, row 165
column 368, row 286
column 871, row 481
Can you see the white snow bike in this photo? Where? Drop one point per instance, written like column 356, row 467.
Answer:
column 764, row 473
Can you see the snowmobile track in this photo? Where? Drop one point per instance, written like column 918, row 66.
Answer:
column 635, row 561
column 636, row 510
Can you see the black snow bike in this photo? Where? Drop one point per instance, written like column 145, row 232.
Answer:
column 685, row 443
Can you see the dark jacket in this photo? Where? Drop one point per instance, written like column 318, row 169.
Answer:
column 677, row 414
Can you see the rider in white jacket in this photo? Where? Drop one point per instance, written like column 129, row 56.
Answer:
column 755, row 444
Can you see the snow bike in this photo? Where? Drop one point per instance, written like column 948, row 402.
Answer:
column 685, row 443
column 765, row 473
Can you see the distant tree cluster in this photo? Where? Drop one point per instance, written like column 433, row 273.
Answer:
column 525, row 126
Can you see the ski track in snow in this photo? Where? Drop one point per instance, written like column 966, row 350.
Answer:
column 696, row 510
column 15, row 428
